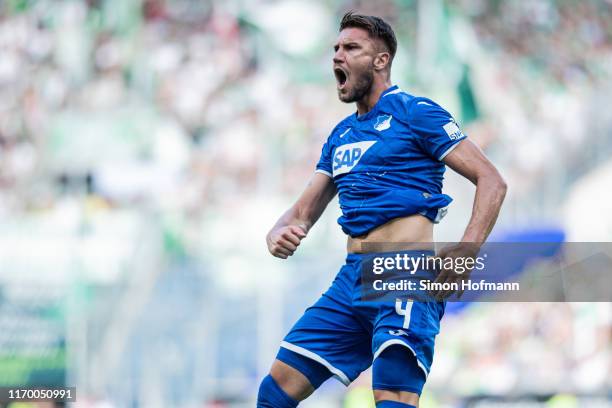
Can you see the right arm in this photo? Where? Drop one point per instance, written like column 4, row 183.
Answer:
column 285, row 236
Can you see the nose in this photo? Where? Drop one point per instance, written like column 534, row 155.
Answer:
column 338, row 57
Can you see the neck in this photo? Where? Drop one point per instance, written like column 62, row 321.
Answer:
column 365, row 104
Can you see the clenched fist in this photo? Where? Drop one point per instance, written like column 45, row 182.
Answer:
column 283, row 241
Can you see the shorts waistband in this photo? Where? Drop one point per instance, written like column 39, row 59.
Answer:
column 354, row 257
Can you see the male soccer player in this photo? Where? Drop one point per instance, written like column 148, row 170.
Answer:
column 386, row 162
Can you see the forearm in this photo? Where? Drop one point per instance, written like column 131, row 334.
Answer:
column 295, row 216
column 310, row 205
column 285, row 236
column 490, row 193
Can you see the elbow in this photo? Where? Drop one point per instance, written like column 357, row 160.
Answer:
column 494, row 182
column 501, row 187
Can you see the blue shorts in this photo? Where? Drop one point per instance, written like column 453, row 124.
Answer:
column 346, row 334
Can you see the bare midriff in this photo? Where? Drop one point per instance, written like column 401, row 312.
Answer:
column 405, row 233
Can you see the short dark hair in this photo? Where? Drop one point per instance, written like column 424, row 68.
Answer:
column 375, row 26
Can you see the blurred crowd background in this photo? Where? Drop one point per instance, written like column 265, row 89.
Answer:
column 147, row 146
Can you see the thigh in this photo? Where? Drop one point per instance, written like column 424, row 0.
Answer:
column 331, row 334
column 412, row 325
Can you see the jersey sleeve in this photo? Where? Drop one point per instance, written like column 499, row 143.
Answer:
column 436, row 130
column 324, row 165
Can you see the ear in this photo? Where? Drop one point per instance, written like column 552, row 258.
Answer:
column 381, row 61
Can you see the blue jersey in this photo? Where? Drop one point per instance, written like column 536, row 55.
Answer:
column 387, row 163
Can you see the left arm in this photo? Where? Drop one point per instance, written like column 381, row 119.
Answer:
column 468, row 160
column 437, row 133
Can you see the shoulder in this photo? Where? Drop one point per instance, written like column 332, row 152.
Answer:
column 422, row 108
column 397, row 101
column 411, row 105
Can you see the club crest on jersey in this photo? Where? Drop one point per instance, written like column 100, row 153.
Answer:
column 383, row 122
column 347, row 156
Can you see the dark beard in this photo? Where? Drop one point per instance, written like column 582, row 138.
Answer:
column 361, row 88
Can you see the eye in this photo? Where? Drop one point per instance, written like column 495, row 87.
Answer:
column 336, row 48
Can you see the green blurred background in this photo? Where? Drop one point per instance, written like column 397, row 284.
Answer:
column 147, row 146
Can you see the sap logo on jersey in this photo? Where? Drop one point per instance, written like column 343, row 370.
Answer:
column 347, row 156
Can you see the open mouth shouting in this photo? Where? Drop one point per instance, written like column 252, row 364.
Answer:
column 341, row 77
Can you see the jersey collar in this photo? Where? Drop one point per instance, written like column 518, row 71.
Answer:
column 389, row 91
column 374, row 109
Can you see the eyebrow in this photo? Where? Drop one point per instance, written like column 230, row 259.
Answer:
column 336, row 45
